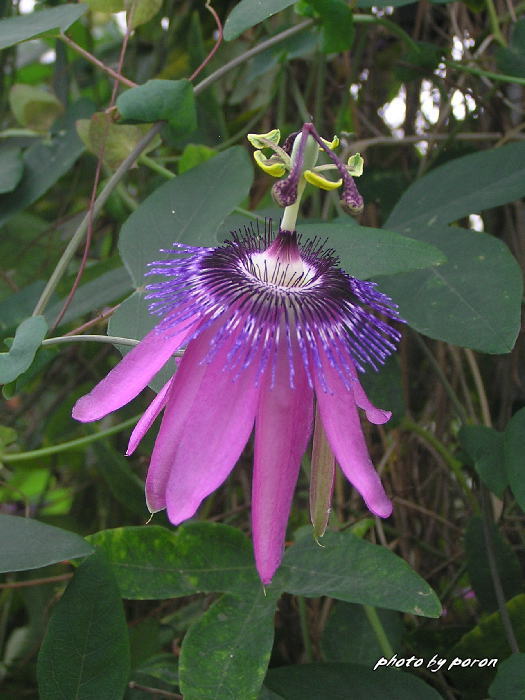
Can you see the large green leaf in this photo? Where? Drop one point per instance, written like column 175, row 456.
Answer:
column 248, row 13
column 514, row 463
column 225, row 654
column 46, row 161
column 349, row 568
column 188, row 209
column 366, row 252
column 510, row 679
column 35, row 24
column 153, row 562
column 11, row 168
column 337, row 24
column 473, row 300
column 30, row 544
column 85, row 653
column 28, row 337
column 461, row 187
column 484, row 446
column 169, row 100
column 345, row 681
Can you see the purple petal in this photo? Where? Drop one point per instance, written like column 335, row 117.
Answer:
column 374, row 415
column 133, row 372
column 282, row 429
column 207, row 422
column 338, row 411
column 148, row 418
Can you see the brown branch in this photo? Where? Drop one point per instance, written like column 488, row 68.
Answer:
column 96, row 62
column 101, row 317
column 36, row 581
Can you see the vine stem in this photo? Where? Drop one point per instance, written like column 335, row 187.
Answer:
column 502, row 77
column 69, row 445
column 379, row 630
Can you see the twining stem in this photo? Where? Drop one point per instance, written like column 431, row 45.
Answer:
column 114, row 340
column 305, row 632
column 494, row 23
column 69, row 445
column 379, row 631
column 502, row 77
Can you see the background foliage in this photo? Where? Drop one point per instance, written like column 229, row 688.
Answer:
column 123, row 127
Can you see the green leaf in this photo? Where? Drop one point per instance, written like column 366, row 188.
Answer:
column 337, row 23
column 30, row 544
column 226, row 653
column 125, row 486
column 351, row 569
column 189, row 209
column 28, row 338
column 511, row 60
column 46, row 161
column 11, row 168
column 141, row 11
column 156, row 100
column 43, row 23
column 248, row 13
column 113, row 142
column 18, row 306
column 514, row 463
column 85, row 653
column 105, row 5
column 459, row 188
column 386, row 3
column 34, row 107
column 473, row 300
column 153, row 562
column 367, row 252
column 193, row 155
column 509, row 681
column 348, row 635
column 487, row 640
column 484, row 446
column 334, row 681
column 478, row 568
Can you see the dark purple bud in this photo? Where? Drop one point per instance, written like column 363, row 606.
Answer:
column 284, row 192
column 289, row 141
column 351, row 201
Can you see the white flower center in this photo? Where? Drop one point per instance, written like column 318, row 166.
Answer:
column 272, row 270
